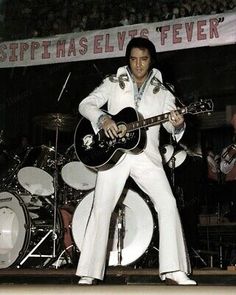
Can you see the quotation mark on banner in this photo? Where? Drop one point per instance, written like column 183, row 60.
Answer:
column 220, row 19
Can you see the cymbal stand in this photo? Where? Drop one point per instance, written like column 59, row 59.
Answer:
column 53, row 230
column 55, row 184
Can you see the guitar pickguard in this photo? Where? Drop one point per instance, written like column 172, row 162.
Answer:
column 88, row 141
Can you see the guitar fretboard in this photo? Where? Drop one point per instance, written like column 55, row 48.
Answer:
column 152, row 121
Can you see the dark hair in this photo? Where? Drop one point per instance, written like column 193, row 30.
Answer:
column 142, row 43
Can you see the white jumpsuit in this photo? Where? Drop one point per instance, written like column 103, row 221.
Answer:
column 145, row 168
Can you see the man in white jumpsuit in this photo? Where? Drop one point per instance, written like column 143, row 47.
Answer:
column 139, row 86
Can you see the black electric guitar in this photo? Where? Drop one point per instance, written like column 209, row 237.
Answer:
column 100, row 152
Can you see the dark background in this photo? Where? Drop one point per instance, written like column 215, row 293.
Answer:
column 199, row 73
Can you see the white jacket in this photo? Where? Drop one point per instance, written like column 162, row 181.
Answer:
column 118, row 92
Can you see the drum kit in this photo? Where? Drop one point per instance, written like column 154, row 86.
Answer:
column 45, row 202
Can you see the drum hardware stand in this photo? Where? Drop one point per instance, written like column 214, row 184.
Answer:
column 62, row 253
column 37, row 255
column 199, row 256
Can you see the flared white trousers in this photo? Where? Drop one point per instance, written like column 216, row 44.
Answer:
column 110, row 183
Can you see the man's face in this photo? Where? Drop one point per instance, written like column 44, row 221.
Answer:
column 140, row 61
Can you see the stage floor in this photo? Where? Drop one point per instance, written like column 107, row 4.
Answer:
column 114, row 276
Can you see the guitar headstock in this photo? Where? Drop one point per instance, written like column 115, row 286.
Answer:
column 202, row 106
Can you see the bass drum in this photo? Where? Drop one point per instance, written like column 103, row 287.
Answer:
column 137, row 232
column 26, row 224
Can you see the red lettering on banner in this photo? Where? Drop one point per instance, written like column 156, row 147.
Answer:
column 97, row 44
column 180, row 32
column 27, row 52
column 23, row 48
column 3, row 55
column 189, row 31
column 72, row 49
column 34, row 46
column 164, row 34
column 200, row 30
column 100, row 47
column 122, row 35
column 176, row 29
column 84, row 47
column 61, row 48
column 133, row 33
column 108, row 48
column 144, row 33
column 121, row 39
column 213, row 28
column 13, row 56
column 46, row 54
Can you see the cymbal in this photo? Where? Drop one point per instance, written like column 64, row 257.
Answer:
column 52, row 121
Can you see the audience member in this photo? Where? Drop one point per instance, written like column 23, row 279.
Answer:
column 30, row 19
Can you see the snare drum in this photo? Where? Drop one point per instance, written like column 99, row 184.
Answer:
column 33, row 175
column 76, row 175
column 27, row 223
column 138, row 227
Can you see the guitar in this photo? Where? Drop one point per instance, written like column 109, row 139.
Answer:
column 100, row 152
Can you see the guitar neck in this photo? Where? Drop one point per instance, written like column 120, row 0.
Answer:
column 144, row 123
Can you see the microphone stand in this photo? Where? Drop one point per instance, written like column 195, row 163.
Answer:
column 172, row 171
column 63, row 87
column 172, row 166
column 120, row 225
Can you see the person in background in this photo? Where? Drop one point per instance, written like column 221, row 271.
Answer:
column 228, row 167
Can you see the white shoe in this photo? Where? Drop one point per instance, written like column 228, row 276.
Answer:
column 179, row 278
column 86, row 281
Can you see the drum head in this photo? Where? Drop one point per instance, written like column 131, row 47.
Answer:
column 13, row 219
column 178, row 157
column 36, row 181
column 167, row 152
column 78, row 176
column 138, row 227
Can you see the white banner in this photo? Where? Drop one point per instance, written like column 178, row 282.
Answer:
column 183, row 33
